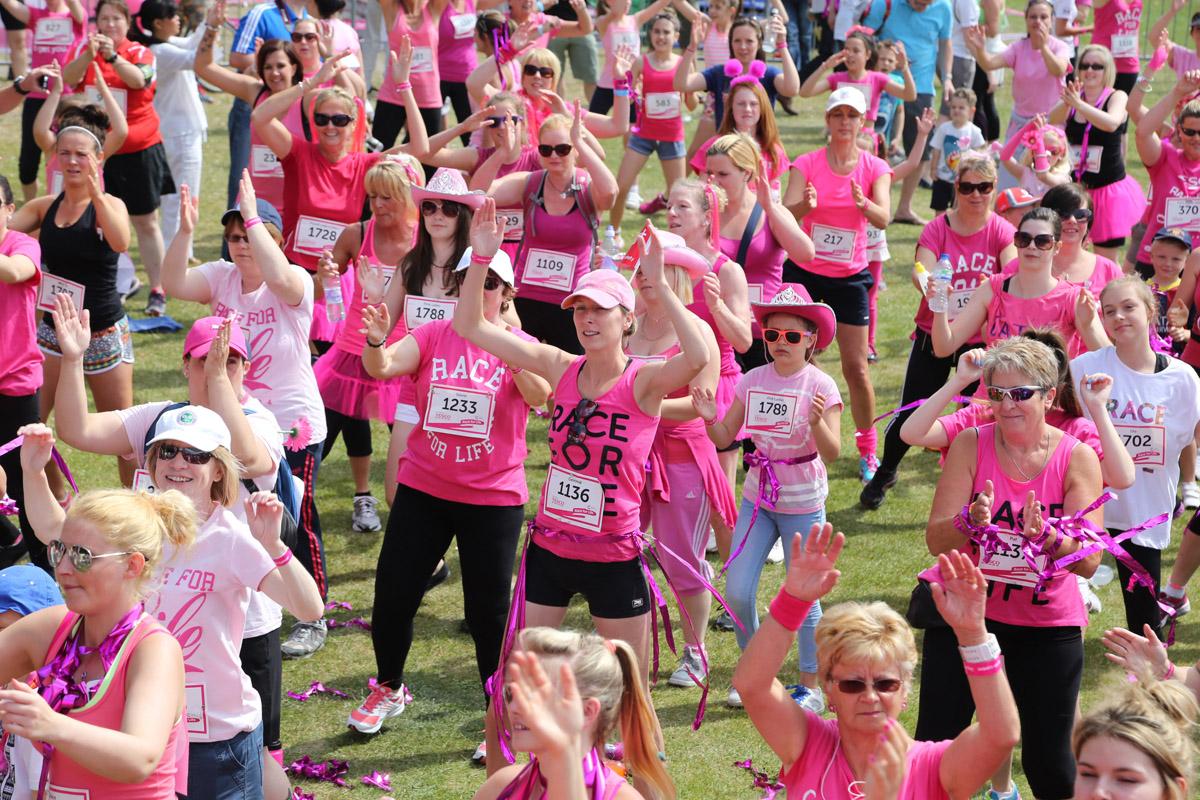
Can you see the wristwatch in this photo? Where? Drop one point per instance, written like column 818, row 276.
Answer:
column 17, row 85
column 110, row 59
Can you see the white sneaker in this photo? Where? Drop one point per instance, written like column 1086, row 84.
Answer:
column 1091, row 600
column 633, row 199
column 381, row 704
column 479, row 757
column 711, row 547
column 690, row 671
column 1191, row 495
column 776, row 554
column 366, row 514
column 734, row 700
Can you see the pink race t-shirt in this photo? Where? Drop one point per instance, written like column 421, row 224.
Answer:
column 1174, row 179
column 322, row 198
column 1116, row 28
column 202, row 601
column 280, row 375
column 470, row 445
column 838, row 229
column 777, row 421
column 1035, row 90
column 871, row 84
column 1009, row 315
column 20, row 358
column 822, row 770
column 975, row 258
column 54, row 34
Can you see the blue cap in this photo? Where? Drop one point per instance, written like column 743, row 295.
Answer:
column 1174, row 235
column 266, row 212
column 26, row 589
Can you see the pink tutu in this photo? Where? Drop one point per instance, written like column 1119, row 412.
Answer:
column 347, row 388
column 1117, row 208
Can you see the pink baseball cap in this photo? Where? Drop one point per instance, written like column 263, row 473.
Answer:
column 204, row 330
column 605, row 287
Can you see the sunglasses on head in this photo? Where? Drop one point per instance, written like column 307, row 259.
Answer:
column 1043, row 241
column 772, row 335
column 984, row 187
column 1018, row 394
column 336, row 120
column 585, row 409
column 545, row 72
column 81, row 557
column 449, row 209
column 1092, row 66
column 491, row 283
column 858, row 686
column 167, row 452
column 560, row 150
column 304, row 37
column 1189, row 132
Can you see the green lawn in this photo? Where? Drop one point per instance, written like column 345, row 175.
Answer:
column 426, row 750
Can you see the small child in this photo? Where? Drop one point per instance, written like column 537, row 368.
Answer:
column 949, row 141
column 1169, row 252
column 890, row 120
column 1035, row 175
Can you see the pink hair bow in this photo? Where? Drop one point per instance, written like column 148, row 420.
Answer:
column 740, row 74
column 860, row 29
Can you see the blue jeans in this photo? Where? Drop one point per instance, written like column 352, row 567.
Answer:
column 239, row 148
column 741, row 581
column 799, row 31
column 228, row 770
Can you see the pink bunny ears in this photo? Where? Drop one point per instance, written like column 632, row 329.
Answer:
column 740, row 74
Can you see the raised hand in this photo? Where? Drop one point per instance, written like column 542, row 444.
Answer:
column 1086, row 308
column 36, row 449
column 705, row 403
column 856, row 193
column 92, row 173
column 1137, row 655
column 402, row 59
column 72, row 328
column 961, row 597
column 327, row 268
column 652, row 260
column 23, row 712
column 330, row 69
column 885, row 767
column 974, row 37
column 1094, row 391
column 980, row 511
column 813, row 571
column 623, row 59
column 1035, row 524
column 247, row 200
column 216, row 14
column 925, row 121
column 577, row 126
column 371, row 279
column 816, row 408
column 376, row 322
column 487, row 232
column 901, row 54
column 699, row 33
column 762, row 186
column 1070, row 94
column 325, row 32
column 264, row 515
column 218, row 353
column 1177, row 314
column 551, row 715
column 970, row 365
column 711, row 285
column 189, row 210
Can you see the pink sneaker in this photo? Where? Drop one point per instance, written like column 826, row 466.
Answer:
column 653, row 205
column 381, row 704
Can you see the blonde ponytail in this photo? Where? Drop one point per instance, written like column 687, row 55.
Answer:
column 640, row 731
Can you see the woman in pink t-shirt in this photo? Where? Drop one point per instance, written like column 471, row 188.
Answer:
column 1013, row 475
column 866, row 655
column 1073, row 263
column 748, row 110
column 858, row 57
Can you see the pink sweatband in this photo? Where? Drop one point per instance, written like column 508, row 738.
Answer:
column 789, row 610
column 984, row 667
column 250, row 223
column 403, row 87
column 284, row 558
column 1170, row 671
column 481, row 259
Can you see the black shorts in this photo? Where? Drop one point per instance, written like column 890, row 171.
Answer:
column 140, row 179
column 1125, row 81
column 1116, row 242
column 1145, row 269
column 942, row 196
column 262, row 662
column 11, row 23
column 602, row 102
column 849, row 297
column 912, row 112
column 613, row 589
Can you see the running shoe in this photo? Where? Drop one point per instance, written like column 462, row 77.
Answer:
column 872, row 356
column 156, row 305
column 691, row 671
column 438, row 577
column 1091, row 601
column 633, row 200
column 381, row 704
column 734, row 700
column 776, row 554
column 873, row 494
column 366, row 514
column 867, row 466
column 305, row 639
column 723, row 622
column 132, row 289
column 711, row 545
column 810, row 699
column 1191, row 495
column 1012, row 794
column 653, row 205
column 479, row 757
column 1179, row 605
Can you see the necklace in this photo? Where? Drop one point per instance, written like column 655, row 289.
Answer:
column 1027, row 478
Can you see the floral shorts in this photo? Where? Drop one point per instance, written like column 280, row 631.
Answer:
column 109, row 348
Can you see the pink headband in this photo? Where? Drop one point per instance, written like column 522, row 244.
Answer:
column 860, row 29
column 740, row 74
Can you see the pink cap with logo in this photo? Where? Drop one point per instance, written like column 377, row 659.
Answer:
column 204, row 331
column 605, row 287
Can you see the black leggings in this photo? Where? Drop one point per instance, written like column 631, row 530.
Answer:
column 1044, row 668
column 31, row 155
column 987, row 118
column 925, row 374
column 14, row 541
column 420, row 529
column 1141, row 605
column 357, row 433
column 460, row 100
column 390, row 118
column 262, row 662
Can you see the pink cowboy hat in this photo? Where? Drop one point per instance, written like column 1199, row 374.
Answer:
column 448, row 184
column 794, row 299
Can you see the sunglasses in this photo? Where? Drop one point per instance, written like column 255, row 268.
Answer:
column 449, row 209
column 1091, row 66
column 167, row 452
column 491, row 283
column 304, row 37
column 496, row 122
column 238, row 238
column 337, row 120
column 81, row 557
column 560, row 150
column 545, row 72
column 1079, row 215
column 577, row 431
column 985, row 187
column 880, row 685
column 1043, row 241
column 772, row 335
column 1018, row 394
column 1189, row 132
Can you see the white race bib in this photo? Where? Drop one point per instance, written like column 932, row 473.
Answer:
column 120, row 95
column 53, row 32
column 422, row 60
column 197, row 709
column 1146, row 444
column 315, row 235
column 834, row 244
column 629, row 39
column 573, row 498
column 514, row 223
column 754, row 292
column 464, row 25
column 1183, row 212
column 1125, row 45
column 52, row 285
column 419, row 310
column 662, row 105
column 864, row 88
column 770, row 414
column 142, row 482
column 959, row 299
column 459, row 411
column 1093, row 157
column 63, row 793
column 1007, row 565
column 264, row 163
column 549, row 269
column 388, row 274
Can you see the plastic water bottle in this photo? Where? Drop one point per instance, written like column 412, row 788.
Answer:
column 940, row 302
column 922, row 277
column 609, row 246
column 769, row 33
column 335, row 308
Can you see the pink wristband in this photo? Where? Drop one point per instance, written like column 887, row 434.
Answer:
column 284, row 558
column 403, row 87
column 984, row 667
column 789, row 610
column 250, row 223
column 481, row 259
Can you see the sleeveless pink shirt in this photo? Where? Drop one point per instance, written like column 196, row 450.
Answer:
column 1008, row 315
column 557, row 250
column 423, row 74
column 349, row 338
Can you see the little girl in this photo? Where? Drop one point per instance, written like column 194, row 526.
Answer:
column 618, row 30
column 792, row 412
column 859, row 58
column 1032, row 174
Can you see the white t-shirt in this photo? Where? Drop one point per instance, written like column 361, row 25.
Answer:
column 1156, row 416
column 951, row 142
column 280, row 374
column 1065, row 9
column 966, row 15
column 201, row 598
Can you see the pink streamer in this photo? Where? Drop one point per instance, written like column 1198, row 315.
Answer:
column 380, row 780
column 316, row 688
column 334, row 605
column 356, row 622
column 9, row 507
column 332, row 771
column 770, row 787
column 912, row 405
column 768, row 491
column 58, row 459
column 300, row 794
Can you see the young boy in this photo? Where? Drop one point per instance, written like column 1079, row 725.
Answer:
column 1013, row 204
column 949, row 140
column 1169, row 252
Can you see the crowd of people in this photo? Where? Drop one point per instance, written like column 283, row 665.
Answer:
column 458, row 281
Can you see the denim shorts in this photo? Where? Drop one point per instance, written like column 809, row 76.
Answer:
column 227, row 770
column 667, row 151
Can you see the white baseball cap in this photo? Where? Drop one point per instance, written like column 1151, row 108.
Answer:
column 195, row 426
column 501, row 265
column 846, row 96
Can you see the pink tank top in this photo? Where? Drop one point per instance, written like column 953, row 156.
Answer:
column 105, row 710
column 349, row 339
column 557, row 250
column 265, row 168
column 763, row 265
column 699, row 307
column 1011, row 595
column 456, row 43
column 623, row 32
column 514, row 218
column 716, row 47
column 423, row 75
column 660, row 118
column 592, row 494
column 1008, row 315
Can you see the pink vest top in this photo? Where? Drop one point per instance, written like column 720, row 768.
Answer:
column 624, row 32
column 1008, row 315
column 514, row 218
column 699, row 307
column 764, row 265
column 1059, row 603
column 557, row 250
column 105, row 710
column 456, row 43
column 265, row 168
column 661, row 116
column 423, row 75
column 348, row 337
column 593, row 488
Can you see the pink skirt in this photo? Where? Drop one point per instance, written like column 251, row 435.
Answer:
column 1117, row 208
column 347, row 388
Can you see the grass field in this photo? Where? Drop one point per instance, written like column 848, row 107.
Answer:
column 426, row 750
